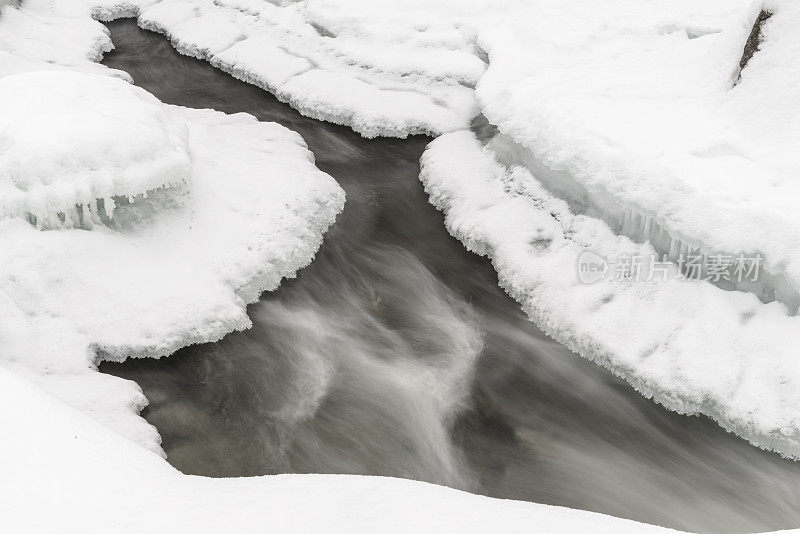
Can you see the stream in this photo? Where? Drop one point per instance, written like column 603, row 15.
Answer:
column 396, row 353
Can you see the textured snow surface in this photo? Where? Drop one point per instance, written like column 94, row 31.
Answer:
column 638, row 122
column 64, row 472
column 173, row 268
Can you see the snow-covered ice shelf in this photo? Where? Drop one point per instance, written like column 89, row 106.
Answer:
column 72, row 142
column 691, row 345
column 364, row 74
column 129, row 227
column 648, row 130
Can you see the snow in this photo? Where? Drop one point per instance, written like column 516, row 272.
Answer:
column 637, row 122
column 62, row 471
column 174, row 268
column 661, row 132
column 51, row 35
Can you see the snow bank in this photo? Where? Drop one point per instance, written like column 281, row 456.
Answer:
column 692, row 346
column 642, row 120
column 164, row 222
column 71, row 141
column 64, row 472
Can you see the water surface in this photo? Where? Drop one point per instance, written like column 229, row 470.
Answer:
column 396, row 353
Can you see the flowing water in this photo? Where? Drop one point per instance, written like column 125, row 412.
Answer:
column 396, row 353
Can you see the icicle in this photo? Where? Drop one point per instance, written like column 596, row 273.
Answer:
column 110, row 206
column 673, row 247
column 75, row 217
column 648, row 221
column 94, row 212
column 86, row 221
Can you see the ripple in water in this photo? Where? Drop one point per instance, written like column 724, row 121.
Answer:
column 395, row 353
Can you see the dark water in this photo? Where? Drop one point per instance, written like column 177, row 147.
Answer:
column 395, row 353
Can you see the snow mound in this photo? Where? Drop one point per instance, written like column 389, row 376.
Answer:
column 694, row 347
column 71, row 141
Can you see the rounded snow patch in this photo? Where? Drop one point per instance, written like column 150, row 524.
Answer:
column 70, row 142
